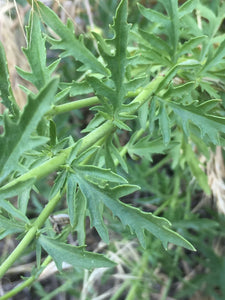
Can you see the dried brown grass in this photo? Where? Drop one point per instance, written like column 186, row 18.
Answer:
column 216, row 176
column 12, row 38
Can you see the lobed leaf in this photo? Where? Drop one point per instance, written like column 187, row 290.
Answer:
column 164, row 123
column 8, row 191
column 217, row 57
column 6, row 93
column 96, row 196
column 36, row 54
column 116, row 60
column 146, row 147
column 173, row 26
column 7, row 227
column 76, row 256
column 187, row 8
column 156, row 42
column 180, row 90
column 71, row 188
column 209, row 125
column 153, row 15
column 13, row 211
column 190, row 44
column 68, row 41
column 17, row 136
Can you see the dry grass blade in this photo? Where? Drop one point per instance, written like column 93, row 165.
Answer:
column 216, row 175
column 12, row 37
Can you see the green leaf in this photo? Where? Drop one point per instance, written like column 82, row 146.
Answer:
column 36, row 54
column 80, row 217
column 109, row 161
column 71, row 188
column 98, row 174
column 172, row 27
column 94, row 207
column 156, row 42
column 146, row 147
column 102, row 90
column 190, row 44
column 68, row 41
column 8, row 191
column 52, row 133
column 58, row 184
column 143, row 113
column 164, row 123
column 152, row 115
column 17, row 136
column 153, row 15
column 8, row 227
column 13, row 211
column 170, row 22
column 76, row 256
column 180, row 90
column 209, row 125
column 113, row 156
column 6, row 93
column 23, row 199
column 217, row 57
column 86, row 174
column 121, row 29
column 206, row 86
column 207, row 106
column 80, row 88
column 187, row 8
column 137, row 220
column 116, row 61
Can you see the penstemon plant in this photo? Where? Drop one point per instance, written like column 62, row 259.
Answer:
column 142, row 84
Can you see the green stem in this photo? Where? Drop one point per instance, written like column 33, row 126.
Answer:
column 147, row 92
column 30, row 235
column 141, row 98
column 63, row 108
column 120, row 290
column 124, row 150
column 54, row 163
column 86, row 142
column 133, row 292
column 158, row 165
column 26, row 283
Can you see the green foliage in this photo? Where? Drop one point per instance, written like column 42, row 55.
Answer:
column 17, row 136
column 6, row 93
column 68, row 42
column 76, row 256
column 157, row 92
column 36, row 55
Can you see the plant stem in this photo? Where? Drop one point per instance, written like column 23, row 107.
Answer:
column 26, row 283
column 133, row 292
column 63, row 108
column 86, row 142
column 30, row 235
column 55, row 162
column 158, row 165
column 141, row 98
column 120, row 290
column 147, row 92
